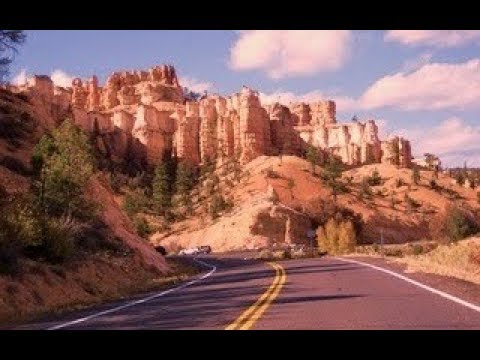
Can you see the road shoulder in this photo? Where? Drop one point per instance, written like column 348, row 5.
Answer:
column 462, row 289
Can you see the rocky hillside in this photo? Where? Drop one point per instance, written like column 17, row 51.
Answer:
column 276, row 201
column 110, row 259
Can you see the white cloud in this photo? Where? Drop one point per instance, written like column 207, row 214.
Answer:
column 343, row 103
column 432, row 87
column 288, row 53
column 195, row 85
column 21, row 78
column 61, row 78
column 436, row 38
column 417, row 62
column 453, row 140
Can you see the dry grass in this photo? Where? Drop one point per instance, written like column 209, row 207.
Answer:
column 453, row 260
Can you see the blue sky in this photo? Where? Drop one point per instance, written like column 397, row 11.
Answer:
column 421, row 84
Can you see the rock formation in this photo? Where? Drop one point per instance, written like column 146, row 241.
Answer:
column 145, row 115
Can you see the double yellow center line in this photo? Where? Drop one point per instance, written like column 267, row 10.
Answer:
column 254, row 312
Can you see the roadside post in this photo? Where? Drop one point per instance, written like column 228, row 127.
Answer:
column 311, row 236
column 381, row 243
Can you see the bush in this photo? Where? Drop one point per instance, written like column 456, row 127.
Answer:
column 142, row 226
column 478, row 197
column 272, row 174
column 59, row 239
column 265, row 254
column 337, row 237
column 375, row 179
column 365, row 189
column 399, row 182
column 219, row 204
column 411, row 203
column 135, row 202
column 458, row 224
column 417, row 249
column 282, row 254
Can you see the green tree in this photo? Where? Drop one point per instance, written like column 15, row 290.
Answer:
column 163, row 183
column 312, row 156
column 331, row 173
column 9, row 41
column 185, row 181
column 63, row 163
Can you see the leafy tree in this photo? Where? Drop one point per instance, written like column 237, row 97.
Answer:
column 458, row 225
column 63, row 163
column 312, row 156
column 331, row 173
column 9, row 41
column 163, row 183
column 431, row 160
column 337, row 236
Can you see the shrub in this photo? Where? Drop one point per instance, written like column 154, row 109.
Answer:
column 265, row 254
column 434, row 185
column 478, row 197
column 219, row 204
column 282, row 254
column 59, row 238
column 135, row 202
column 411, row 203
column 365, row 189
column 142, row 227
column 399, row 182
column 272, row 174
column 374, row 179
column 458, row 224
column 337, row 237
column 417, row 249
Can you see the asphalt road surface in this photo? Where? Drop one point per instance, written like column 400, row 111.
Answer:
column 322, row 293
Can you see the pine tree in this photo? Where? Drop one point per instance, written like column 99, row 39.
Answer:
column 163, row 184
column 331, row 173
column 185, row 181
column 312, row 157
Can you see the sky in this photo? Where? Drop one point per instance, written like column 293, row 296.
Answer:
column 420, row 84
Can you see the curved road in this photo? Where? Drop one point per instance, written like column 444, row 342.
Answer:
column 321, row 293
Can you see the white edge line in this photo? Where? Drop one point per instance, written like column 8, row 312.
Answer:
column 140, row 301
column 416, row 283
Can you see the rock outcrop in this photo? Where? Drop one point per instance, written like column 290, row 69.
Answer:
column 145, row 115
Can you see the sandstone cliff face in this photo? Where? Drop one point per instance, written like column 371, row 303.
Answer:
column 144, row 115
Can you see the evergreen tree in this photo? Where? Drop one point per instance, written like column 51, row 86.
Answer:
column 312, row 156
column 163, row 184
column 185, row 181
column 331, row 173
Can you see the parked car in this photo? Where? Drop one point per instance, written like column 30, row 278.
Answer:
column 161, row 250
column 190, row 251
column 206, row 249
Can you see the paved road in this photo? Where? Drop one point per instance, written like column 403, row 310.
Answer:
column 324, row 293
